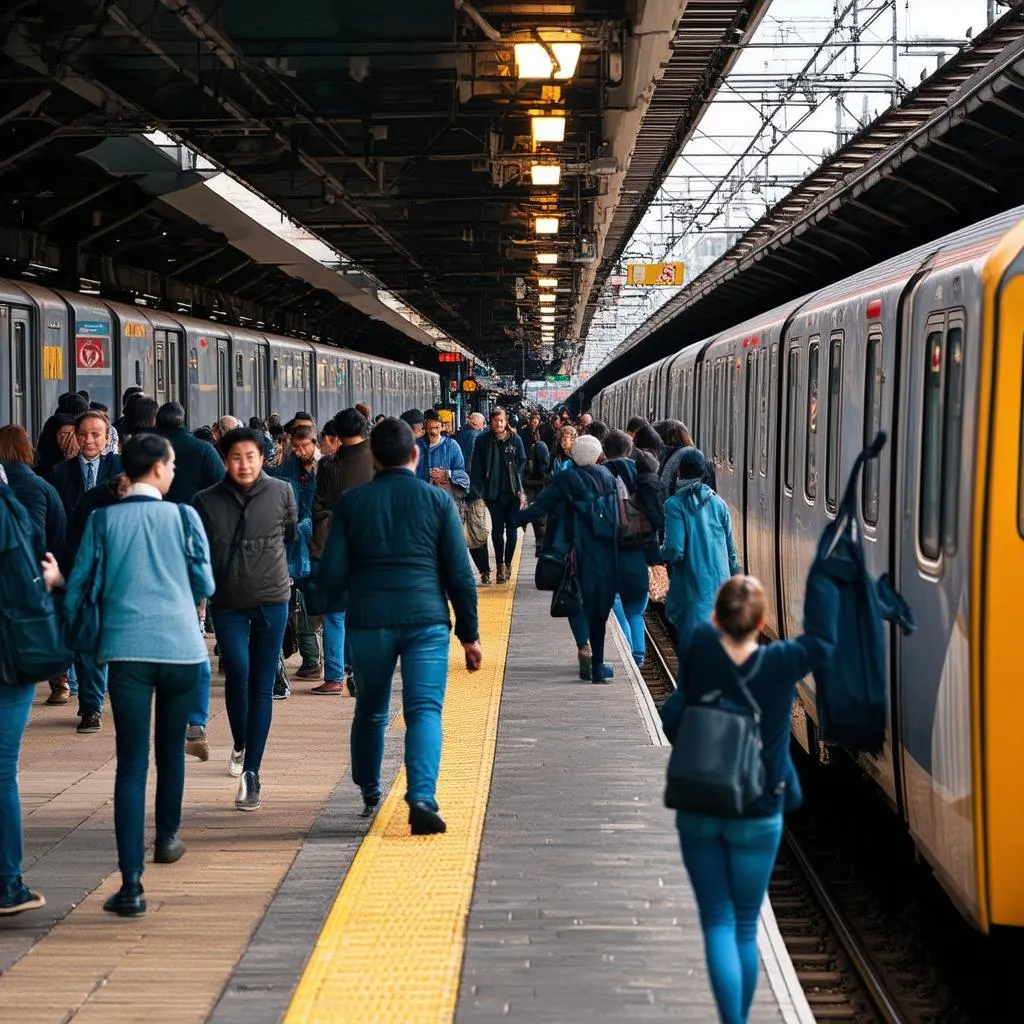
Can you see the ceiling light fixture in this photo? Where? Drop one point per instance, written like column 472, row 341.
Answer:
column 546, row 174
column 546, row 299
column 534, row 60
column 547, row 282
column 548, row 129
column 547, row 259
column 546, row 225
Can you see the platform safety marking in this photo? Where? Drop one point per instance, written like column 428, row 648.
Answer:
column 391, row 948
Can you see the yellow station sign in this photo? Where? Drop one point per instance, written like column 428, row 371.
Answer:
column 655, row 275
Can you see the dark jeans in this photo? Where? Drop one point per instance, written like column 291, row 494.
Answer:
column 481, row 559
column 92, row 683
column 503, row 527
column 133, row 684
column 15, row 708
column 250, row 645
column 729, row 861
column 424, row 654
column 539, row 523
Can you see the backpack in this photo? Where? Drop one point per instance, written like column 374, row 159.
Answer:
column 601, row 513
column 82, row 624
column 716, row 766
column 635, row 528
column 31, row 646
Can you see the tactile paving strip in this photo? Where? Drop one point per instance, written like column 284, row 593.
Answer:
column 391, row 948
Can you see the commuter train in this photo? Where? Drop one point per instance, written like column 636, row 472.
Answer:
column 929, row 347
column 53, row 341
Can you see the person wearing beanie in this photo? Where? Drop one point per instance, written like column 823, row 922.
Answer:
column 699, row 549
column 415, row 419
column 579, row 500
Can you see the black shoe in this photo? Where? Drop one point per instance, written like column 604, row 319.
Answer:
column 129, row 900
column 16, row 897
column 167, row 851
column 370, row 805
column 423, row 821
column 90, row 723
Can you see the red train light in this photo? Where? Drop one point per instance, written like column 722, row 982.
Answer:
column 874, row 309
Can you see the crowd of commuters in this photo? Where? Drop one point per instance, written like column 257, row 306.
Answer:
column 347, row 543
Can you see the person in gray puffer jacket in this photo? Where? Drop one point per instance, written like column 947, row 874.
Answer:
column 250, row 519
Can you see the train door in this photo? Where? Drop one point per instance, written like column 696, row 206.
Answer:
column 934, row 665
column 167, row 347
column 790, row 490
column 20, row 366
column 224, row 404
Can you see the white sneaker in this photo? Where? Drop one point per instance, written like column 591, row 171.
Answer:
column 236, row 761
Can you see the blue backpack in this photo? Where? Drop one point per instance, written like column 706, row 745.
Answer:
column 601, row 513
column 31, row 646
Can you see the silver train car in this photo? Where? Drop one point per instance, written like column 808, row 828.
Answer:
column 53, row 341
column 926, row 346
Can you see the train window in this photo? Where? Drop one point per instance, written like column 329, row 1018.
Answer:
column 19, row 360
column 713, row 406
column 321, row 373
column 750, row 411
column 872, row 424
column 193, row 365
column 239, row 370
column 138, row 373
column 951, row 436
column 275, row 374
column 929, row 528
column 832, row 436
column 792, row 393
column 811, row 451
column 172, row 366
column 161, row 382
column 762, row 407
column 732, row 367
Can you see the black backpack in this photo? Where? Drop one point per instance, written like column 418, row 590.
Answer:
column 635, row 529
column 31, row 646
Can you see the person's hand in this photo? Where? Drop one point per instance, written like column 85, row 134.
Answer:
column 474, row 656
column 522, row 502
column 438, row 476
column 69, row 446
column 53, row 577
column 201, row 611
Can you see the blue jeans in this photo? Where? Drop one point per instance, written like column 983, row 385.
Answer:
column 133, row 685
column 200, row 713
column 629, row 610
column 730, row 862
column 424, row 654
column 92, row 684
column 250, row 646
column 15, row 708
column 580, row 629
column 334, row 647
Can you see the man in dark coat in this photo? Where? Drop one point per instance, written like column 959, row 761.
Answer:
column 90, row 467
column 196, row 463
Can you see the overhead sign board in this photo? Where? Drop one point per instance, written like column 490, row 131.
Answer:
column 469, row 385
column 558, row 378
column 655, row 275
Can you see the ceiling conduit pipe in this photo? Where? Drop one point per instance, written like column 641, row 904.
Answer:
column 475, row 16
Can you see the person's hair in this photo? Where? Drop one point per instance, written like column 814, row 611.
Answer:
column 75, row 405
column 142, row 452
column 392, row 443
column 352, row 423
column 498, row 411
column 92, row 414
column 98, row 406
column 363, row 408
column 330, row 430
column 647, row 438
column 255, row 423
column 84, row 394
column 15, row 445
column 304, row 432
column 379, row 418
column 595, row 428
column 635, row 423
column 740, row 606
column 276, row 431
column 141, row 415
column 239, row 435
column 673, row 434
column 431, row 416
column 128, row 393
column 617, row 445
column 203, row 434
column 170, row 416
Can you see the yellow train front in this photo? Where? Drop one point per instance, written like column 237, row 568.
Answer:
column 928, row 347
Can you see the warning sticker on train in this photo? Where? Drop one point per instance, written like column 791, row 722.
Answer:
column 92, row 338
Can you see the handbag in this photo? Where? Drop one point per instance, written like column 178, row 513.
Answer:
column 657, row 583
column 716, row 766
column 548, row 574
column 567, row 599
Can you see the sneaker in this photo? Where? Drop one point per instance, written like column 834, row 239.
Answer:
column 508, row 571
column 16, row 897
column 501, row 576
column 485, row 579
column 312, row 672
column 282, row 691
column 236, row 762
column 90, row 723
column 331, row 688
column 370, row 805
column 248, row 797
column 196, row 744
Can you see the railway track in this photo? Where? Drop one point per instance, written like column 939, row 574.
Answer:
column 847, row 977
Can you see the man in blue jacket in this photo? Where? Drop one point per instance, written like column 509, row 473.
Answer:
column 397, row 542
column 440, row 458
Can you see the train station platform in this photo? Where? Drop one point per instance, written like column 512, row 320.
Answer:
column 557, row 894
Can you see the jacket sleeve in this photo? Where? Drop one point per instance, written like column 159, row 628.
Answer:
column 457, row 469
column 81, row 574
column 200, row 571
column 212, row 470
column 548, row 502
column 457, row 574
column 323, row 505
column 730, row 542
column 520, row 455
column 476, row 467
column 815, row 648
column 327, row 589
column 542, row 457
column 290, row 521
column 56, row 524
column 674, row 548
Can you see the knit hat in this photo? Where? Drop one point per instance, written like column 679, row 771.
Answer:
column 691, row 464
column 412, row 417
column 586, row 450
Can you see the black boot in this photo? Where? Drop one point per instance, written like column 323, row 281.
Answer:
column 424, row 821
column 129, row 900
column 167, row 851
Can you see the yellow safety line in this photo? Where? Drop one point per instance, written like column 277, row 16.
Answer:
column 391, row 948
